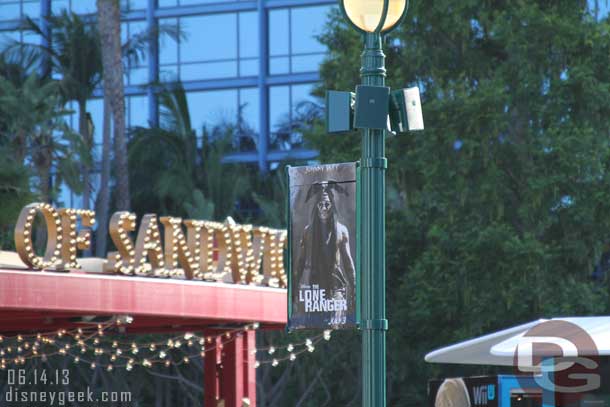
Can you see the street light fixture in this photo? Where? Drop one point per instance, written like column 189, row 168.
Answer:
column 374, row 15
column 374, row 110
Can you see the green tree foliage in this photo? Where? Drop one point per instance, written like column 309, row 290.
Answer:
column 174, row 174
column 31, row 119
column 499, row 210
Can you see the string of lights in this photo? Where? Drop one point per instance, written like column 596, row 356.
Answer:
column 81, row 343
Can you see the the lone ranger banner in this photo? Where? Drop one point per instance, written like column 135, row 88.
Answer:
column 322, row 228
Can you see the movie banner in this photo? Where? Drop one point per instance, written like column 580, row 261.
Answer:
column 322, row 289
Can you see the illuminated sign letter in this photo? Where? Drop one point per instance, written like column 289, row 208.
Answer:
column 71, row 240
column 177, row 252
column 121, row 223
column 148, row 246
column 24, row 237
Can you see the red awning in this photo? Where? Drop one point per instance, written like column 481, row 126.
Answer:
column 42, row 301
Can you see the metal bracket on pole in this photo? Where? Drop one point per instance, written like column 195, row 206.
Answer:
column 375, row 324
column 374, row 163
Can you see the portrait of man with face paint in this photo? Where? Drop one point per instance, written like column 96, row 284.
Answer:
column 324, row 267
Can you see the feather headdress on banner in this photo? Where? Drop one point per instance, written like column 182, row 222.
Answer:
column 321, row 189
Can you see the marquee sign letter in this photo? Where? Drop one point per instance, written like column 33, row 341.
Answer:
column 177, row 252
column 71, row 239
column 121, row 223
column 148, row 246
column 24, row 237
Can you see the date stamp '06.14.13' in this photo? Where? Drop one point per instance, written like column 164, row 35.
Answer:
column 36, row 387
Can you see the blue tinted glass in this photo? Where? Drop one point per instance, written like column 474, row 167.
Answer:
column 58, row 5
column 208, row 70
column 301, row 94
column 137, row 4
column 248, row 34
column 8, row 37
column 249, row 102
column 10, row 11
column 31, row 8
column 168, row 3
column 124, row 32
column 191, row 2
column 138, row 111
column 248, row 67
column 307, row 23
column 279, row 106
column 279, row 65
column 306, row 63
column 212, row 108
column 169, row 73
column 139, row 28
column 168, row 47
column 278, row 32
column 210, row 37
column 31, row 38
column 138, row 76
column 84, row 6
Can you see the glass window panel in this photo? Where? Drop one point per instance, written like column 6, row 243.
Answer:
column 168, row 3
column 278, row 32
column 208, row 70
column 9, row 37
column 301, row 94
column 124, row 32
column 169, row 73
column 192, row 2
column 10, row 11
column 279, row 106
column 31, row 9
column 248, row 67
column 250, row 107
column 306, row 24
column 248, row 35
column 306, row 63
column 84, row 6
column 209, row 37
column 139, row 28
column 137, row 4
column 31, row 38
column 168, row 47
column 212, row 107
column 138, row 76
column 278, row 65
column 58, row 5
column 138, row 111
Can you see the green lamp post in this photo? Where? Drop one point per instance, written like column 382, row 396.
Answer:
column 373, row 18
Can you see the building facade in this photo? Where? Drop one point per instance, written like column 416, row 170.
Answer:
column 248, row 61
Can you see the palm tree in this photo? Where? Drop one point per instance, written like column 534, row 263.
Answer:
column 32, row 115
column 184, row 178
column 75, row 55
column 109, row 25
